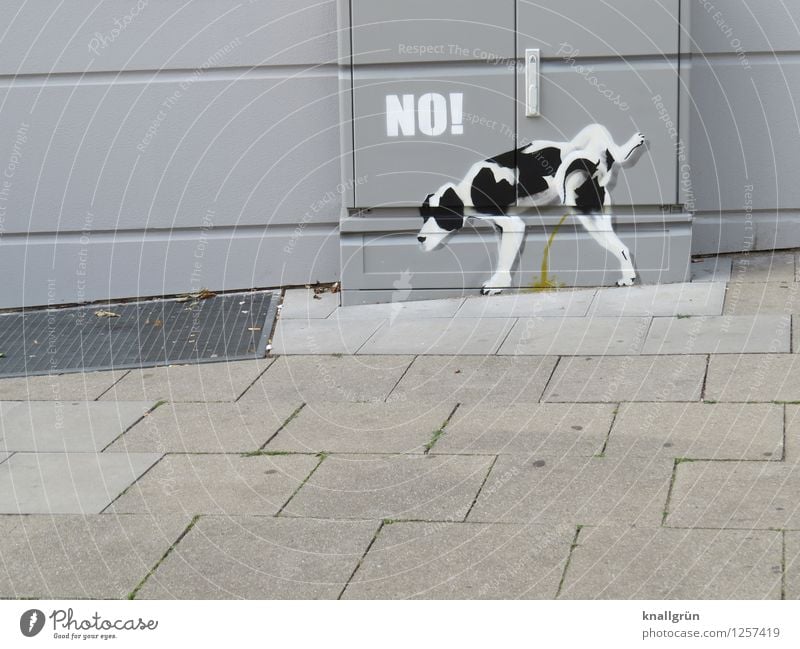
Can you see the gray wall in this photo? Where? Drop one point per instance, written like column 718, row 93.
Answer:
column 191, row 144
column 745, row 124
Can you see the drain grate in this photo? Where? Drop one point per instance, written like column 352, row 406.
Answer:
column 233, row 326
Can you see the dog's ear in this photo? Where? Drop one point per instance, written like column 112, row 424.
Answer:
column 425, row 208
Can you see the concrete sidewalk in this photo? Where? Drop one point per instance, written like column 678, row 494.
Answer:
column 609, row 443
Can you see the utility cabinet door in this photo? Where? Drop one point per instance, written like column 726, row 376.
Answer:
column 613, row 63
column 433, row 92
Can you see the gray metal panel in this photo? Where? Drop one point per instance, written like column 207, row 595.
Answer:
column 581, row 28
column 743, row 28
column 129, row 182
column 111, row 35
column 570, row 101
column 716, row 232
column 387, row 31
column 382, row 261
column 744, row 134
column 42, row 269
column 257, row 149
column 403, row 170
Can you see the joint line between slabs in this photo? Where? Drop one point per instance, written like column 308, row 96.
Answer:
column 361, row 560
column 567, row 563
column 140, row 585
column 480, row 489
column 402, row 376
column 550, row 379
column 302, row 484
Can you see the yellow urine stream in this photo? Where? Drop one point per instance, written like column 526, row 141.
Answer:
column 545, row 283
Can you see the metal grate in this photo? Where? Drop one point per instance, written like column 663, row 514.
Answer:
column 234, row 326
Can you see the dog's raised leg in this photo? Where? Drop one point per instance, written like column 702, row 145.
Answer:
column 600, row 228
column 626, row 150
column 512, row 233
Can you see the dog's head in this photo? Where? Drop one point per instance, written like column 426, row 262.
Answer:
column 442, row 214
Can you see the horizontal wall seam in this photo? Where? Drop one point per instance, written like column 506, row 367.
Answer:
column 167, row 234
column 105, row 77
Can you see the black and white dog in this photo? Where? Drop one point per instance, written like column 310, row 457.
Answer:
column 574, row 174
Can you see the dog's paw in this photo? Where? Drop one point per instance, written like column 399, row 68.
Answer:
column 640, row 139
column 491, row 291
column 497, row 282
column 626, row 281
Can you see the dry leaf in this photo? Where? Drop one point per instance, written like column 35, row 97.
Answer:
column 106, row 314
column 202, row 294
column 254, row 329
column 336, row 288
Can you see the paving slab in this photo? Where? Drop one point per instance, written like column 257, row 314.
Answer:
column 75, row 557
column 396, row 427
column 206, row 427
column 624, row 562
column 81, row 386
column 322, row 336
column 463, row 561
column 261, row 558
column 67, row 483
column 753, row 377
column 188, row 383
column 731, row 431
column 763, row 267
column 792, row 433
column 329, row 378
column 303, row 304
column 777, row 298
column 660, row 300
column 744, row 495
column 71, row 427
column 475, row 379
column 527, row 305
column 579, row 491
column 217, row 484
column 745, row 334
column 792, row 585
column 711, row 269
column 419, row 487
column 576, row 336
column 467, row 336
column 445, row 308
column 627, row 378
column 548, row 428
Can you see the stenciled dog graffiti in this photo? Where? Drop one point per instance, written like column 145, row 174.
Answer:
column 575, row 174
